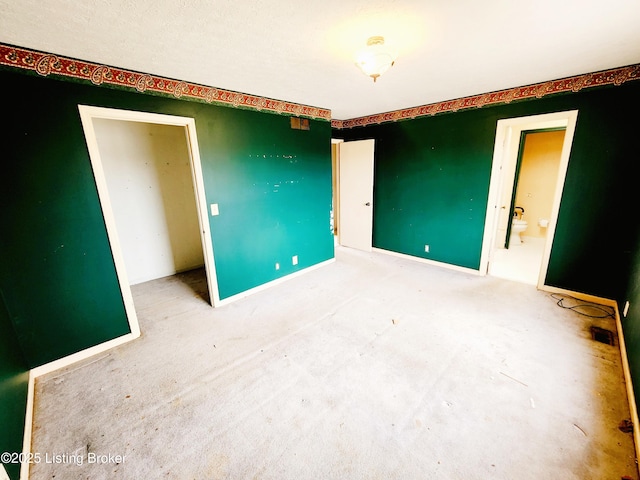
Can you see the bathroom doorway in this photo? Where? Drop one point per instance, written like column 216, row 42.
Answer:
column 530, row 160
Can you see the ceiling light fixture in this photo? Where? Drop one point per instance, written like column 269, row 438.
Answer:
column 376, row 58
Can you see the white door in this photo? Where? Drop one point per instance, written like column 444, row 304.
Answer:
column 355, row 170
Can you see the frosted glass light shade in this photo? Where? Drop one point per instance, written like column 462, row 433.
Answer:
column 376, row 58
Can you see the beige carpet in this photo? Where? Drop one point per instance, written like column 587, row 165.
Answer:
column 371, row 367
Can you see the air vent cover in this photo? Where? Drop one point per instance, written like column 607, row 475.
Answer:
column 298, row 123
column 602, row 335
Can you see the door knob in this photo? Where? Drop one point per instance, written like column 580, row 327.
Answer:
column 368, row 204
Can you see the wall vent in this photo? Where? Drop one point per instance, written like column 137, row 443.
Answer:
column 298, row 123
column 602, row 335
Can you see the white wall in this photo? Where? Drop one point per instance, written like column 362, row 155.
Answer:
column 151, row 192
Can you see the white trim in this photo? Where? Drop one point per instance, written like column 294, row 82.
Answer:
column 572, row 119
column 448, row 266
column 631, row 398
column 82, row 355
column 87, row 114
column 580, row 296
column 28, row 428
column 275, row 282
column 89, row 352
column 86, row 118
column 50, row 367
column 508, row 132
column 47, row 368
column 203, row 211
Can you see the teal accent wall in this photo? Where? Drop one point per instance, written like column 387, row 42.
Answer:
column 431, row 184
column 432, row 180
column 14, row 382
column 273, row 188
column 57, row 275
column 272, row 185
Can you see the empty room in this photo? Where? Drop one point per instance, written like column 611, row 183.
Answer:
column 348, row 240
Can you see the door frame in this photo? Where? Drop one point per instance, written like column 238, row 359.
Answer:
column 342, row 185
column 87, row 114
column 505, row 156
column 335, row 174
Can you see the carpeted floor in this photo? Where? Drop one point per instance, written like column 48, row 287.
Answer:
column 371, row 367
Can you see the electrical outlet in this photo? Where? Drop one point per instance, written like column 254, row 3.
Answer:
column 426, row 248
column 294, row 259
column 626, row 309
column 3, row 473
column 277, row 266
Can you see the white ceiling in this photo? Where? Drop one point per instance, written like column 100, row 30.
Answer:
column 302, row 51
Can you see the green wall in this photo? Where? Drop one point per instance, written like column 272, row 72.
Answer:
column 14, row 380
column 273, row 187
column 631, row 323
column 57, row 275
column 431, row 184
column 272, row 184
column 432, row 180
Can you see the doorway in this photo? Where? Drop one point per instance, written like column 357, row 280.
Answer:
column 152, row 195
column 529, row 166
column 354, row 199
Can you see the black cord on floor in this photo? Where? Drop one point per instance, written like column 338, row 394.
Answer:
column 607, row 311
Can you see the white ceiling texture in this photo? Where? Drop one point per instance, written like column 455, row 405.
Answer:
column 302, row 51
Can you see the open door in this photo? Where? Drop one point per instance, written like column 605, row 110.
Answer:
column 355, row 171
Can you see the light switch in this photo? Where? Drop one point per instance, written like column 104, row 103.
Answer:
column 214, row 210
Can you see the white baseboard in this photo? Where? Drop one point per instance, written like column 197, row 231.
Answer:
column 70, row 359
column 103, row 347
column 82, row 355
column 633, row 407
column 273, row 283
column 28, row 428
column 48, row 368
column 580, row 296
column 427, row 261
